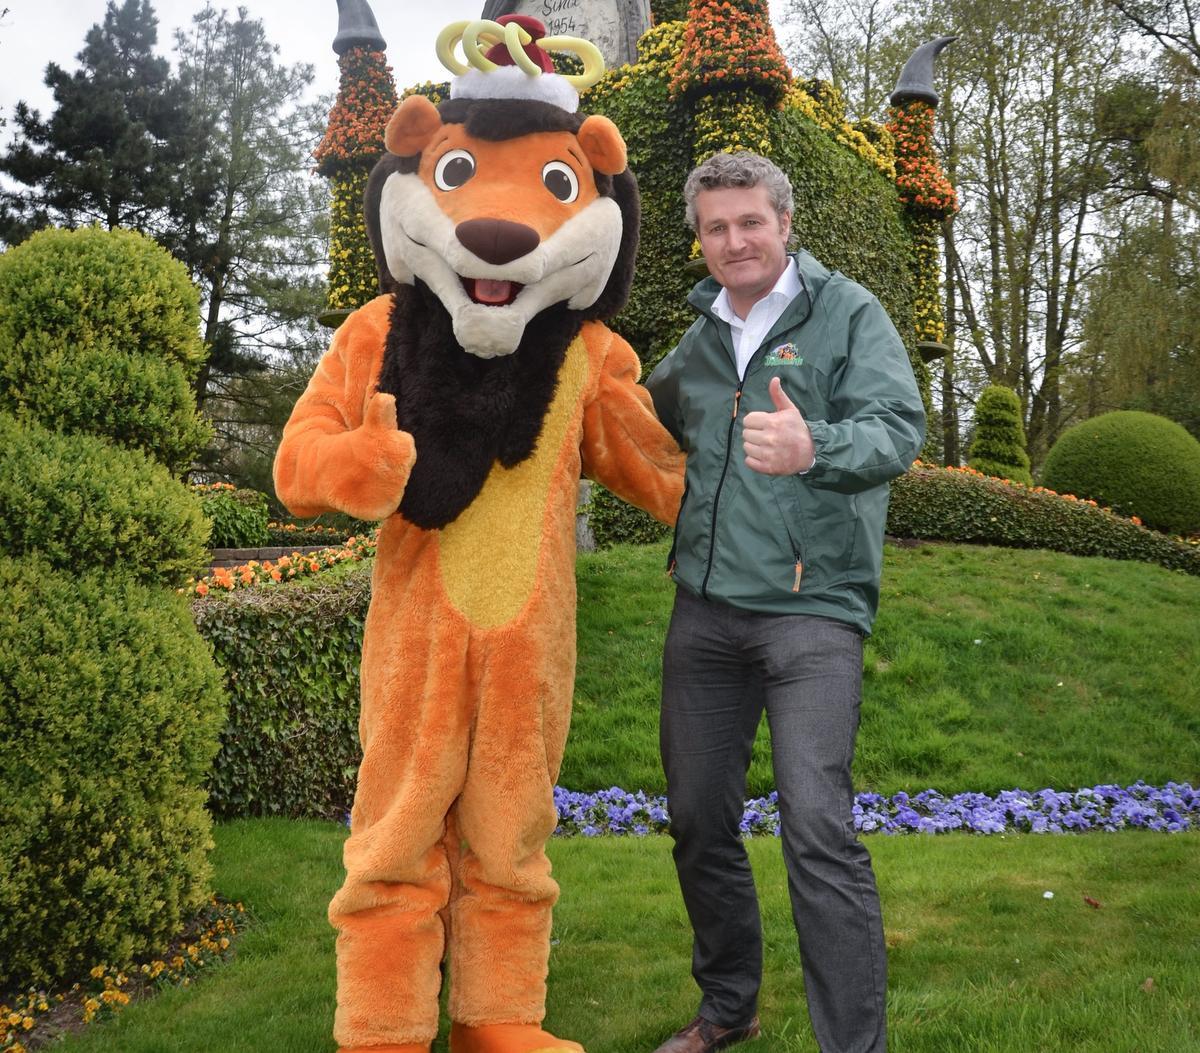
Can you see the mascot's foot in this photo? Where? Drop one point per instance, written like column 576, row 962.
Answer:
column 407, row 1047
column 508, row 1038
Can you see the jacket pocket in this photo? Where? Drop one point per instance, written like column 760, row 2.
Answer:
column 793, row 532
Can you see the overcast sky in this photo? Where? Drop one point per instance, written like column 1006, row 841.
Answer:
column 36, row 32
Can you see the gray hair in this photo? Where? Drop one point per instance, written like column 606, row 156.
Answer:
column 742, row 169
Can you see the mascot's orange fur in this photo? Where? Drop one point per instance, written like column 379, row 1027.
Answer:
column 462, row 407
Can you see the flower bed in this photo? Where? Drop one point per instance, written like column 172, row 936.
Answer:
column 285, row 568
column 37, row 1017
column 1107, row 807
column 961, row 504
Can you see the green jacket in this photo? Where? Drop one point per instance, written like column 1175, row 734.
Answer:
column 802, row 544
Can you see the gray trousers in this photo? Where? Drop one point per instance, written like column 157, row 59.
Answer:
column 721, row 668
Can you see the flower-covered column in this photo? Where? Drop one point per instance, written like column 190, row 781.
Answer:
column 352, row 144
column 733, row 71
column 923, row 187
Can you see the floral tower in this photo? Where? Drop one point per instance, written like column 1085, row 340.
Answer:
column 732, row 70
column 923, row 187
column 353, row 142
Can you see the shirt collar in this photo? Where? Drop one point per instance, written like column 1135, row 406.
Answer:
column 786, row 288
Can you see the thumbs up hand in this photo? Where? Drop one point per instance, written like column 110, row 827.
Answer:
column 777, row 443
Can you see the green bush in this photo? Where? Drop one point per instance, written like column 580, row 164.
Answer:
column 956, row 505
column 81, row 502
column 303, row 535
column 110, row 706
column 1136, row 463
column 291, row 655
column 614, row 521
column 998, row 448
column 239, row 517
column 99, row 333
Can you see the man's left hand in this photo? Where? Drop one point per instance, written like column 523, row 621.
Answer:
column 778, row 443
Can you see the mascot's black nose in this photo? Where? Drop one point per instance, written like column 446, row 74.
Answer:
column 497, row 240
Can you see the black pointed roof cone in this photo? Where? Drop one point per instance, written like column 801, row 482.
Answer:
column 357, row 27
column 916, row 79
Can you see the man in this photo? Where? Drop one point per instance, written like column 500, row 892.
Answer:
column 794, row 400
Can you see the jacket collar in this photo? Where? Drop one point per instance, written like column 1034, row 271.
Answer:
column 813, row 278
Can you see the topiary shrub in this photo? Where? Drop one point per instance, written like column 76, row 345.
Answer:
column 291, row 655
column 239, row 517
column 957, row 504
column 110, row 706
column 1135, row 463
column 615, row 522
column 99, row 333
column 81, row 502
column 998, row 448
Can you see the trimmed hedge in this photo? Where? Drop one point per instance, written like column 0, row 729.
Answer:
column 111, row 705
column 291, row 656
column 81, row 502
column 239, row 517
column 998, row 448
column 614, row 521
column 99, row 333
column 950, row 504
column 1135, row 463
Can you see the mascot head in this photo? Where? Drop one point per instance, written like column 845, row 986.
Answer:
column 505, row 201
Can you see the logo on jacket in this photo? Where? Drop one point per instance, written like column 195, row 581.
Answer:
column 784, row 355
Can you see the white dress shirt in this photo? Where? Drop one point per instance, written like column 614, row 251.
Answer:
column 749, row 332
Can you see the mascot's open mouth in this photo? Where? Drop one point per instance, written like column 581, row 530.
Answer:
column 491, row 293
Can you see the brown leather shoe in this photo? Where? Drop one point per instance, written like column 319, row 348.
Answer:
column 703, row 1036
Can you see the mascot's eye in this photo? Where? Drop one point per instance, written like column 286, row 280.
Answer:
column 454, row 169
column 561, row 181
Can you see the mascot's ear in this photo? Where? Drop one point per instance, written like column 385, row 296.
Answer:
column 603, row 145
column 412, row 126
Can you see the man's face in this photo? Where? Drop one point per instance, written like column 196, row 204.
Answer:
column 744, row 241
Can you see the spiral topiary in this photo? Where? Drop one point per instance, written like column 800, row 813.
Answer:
column 81, row 502
column 1138, row 464
column 998, row 448
column 100, row 334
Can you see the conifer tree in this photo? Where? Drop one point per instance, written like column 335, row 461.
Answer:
column 116, row 144
column 998, row 448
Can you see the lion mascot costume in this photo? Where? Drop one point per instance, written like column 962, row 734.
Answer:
column 461, row 408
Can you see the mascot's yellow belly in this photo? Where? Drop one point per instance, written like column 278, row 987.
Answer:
column 489, row 554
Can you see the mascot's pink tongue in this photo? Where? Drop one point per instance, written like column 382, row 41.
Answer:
column 489, row 291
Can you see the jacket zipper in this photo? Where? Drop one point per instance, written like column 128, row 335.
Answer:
column 712, row 536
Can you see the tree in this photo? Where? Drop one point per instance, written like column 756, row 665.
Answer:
column 1025, row 155
column 257, row 249
column 116, row 145
column 1172, row 23
column 857, row 45
column 998, row 448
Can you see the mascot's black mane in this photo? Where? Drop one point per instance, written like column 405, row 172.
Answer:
column 464, row 412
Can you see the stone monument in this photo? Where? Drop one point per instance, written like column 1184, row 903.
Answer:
column 614, row 26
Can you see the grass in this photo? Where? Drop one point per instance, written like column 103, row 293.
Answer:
column 1083, row 673
column 980, row 962
column 989, row 669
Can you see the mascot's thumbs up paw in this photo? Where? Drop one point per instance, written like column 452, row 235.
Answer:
column 379, row 462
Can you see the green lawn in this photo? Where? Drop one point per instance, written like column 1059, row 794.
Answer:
column 980, row 962
column 989, row 669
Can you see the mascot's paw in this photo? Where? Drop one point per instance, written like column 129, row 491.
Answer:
column 508, row 1038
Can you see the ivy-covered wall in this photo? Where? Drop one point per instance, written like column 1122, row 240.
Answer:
column 848, row 212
